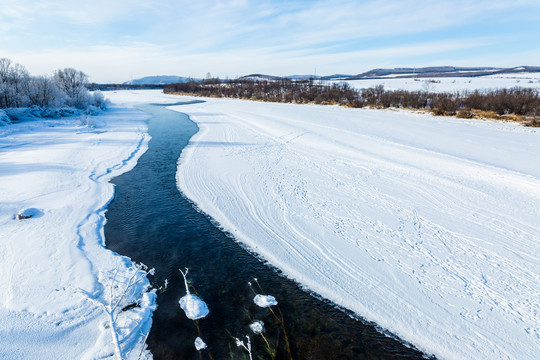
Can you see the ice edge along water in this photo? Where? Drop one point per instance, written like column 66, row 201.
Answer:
column 54, row 266
column 426, row 226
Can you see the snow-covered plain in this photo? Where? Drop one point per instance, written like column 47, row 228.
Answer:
column 427, row 226
column 452, row 84
column 54, row 270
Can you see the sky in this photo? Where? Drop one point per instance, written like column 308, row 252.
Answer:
column 118, row 40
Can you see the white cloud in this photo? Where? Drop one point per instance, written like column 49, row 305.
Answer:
column 233, row 37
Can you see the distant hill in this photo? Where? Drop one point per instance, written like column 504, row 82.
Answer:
column 431, row 72
column 441, row 71
column 158, row 80
column 302, row 77
column 259, row 77
column 263, row 77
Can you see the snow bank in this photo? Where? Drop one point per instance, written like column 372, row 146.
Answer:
column 54, row 268
column 427, row 226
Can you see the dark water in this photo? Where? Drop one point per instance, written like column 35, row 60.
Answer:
column 151, row 222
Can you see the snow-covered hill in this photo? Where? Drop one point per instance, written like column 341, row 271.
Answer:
column 158, row 80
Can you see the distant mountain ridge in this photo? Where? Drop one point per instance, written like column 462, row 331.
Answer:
column 159, row 80
column 396, row 73
column 431, row 71
column 441, row 71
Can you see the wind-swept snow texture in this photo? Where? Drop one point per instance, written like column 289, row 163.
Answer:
column 428, row 226
column 54, row 261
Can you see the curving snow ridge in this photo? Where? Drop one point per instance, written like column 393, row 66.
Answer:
column 428, row 226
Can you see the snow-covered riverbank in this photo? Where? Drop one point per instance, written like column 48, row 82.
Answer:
column 427, row 226
column 53, row 267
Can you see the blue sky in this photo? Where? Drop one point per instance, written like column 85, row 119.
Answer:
column 116, row 40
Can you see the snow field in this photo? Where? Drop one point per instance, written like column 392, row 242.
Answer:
column 452, row 84
column 53, row 267
column 427, row 226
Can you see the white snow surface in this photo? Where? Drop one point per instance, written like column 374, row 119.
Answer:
column 194, row 307
column 199, row 344
column 257, row 327
column 452, row 84
column 61, row 168
column 264, row 301
column 428, row 226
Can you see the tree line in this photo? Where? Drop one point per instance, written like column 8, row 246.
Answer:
column 521, row 104
column 284, row 90
column 66, row 87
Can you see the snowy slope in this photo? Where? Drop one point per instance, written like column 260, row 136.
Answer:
column 61, row 168
column 451, row 84
column 428, row 226
column 159, row 80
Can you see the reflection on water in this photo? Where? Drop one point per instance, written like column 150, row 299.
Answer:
column 151, row 222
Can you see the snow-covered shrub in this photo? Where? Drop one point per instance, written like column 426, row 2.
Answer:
column 92, row 110
column 194, row 307
column 51, row 113
column 82, row 98
column 199, row 344
column 99, row 100
column 22, row 114
column 257, row 327
column 35, row 111
column 66, row 112
column 246, row 346
column 4, row 118
column 264, row 301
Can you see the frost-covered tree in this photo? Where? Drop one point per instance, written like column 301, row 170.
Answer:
column 73, row 83
column 14, row 79
column 67, row 87
column 43, row 91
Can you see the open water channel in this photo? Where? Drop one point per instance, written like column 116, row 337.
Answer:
column 150, row 221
